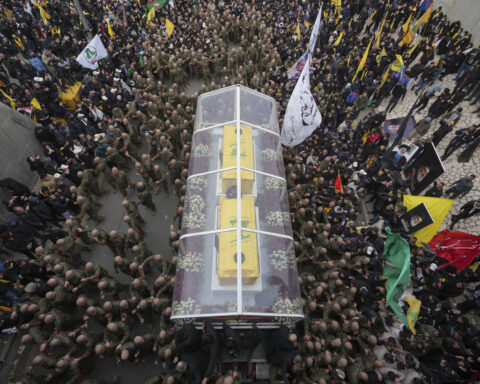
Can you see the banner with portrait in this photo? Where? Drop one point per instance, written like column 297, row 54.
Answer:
column 424, row 169
column 416, row 219
column 391, row 127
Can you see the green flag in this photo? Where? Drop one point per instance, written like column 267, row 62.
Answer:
column 396, row 269
column 158, row 4
column 195, row 3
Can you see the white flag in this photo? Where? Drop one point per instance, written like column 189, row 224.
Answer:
column 92, row 53
column 294, row 72
column 125, row 86
column 302, row 116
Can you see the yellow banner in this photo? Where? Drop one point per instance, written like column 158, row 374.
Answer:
column 438, row 209
column 363, row 61
column 413, row 311
column 170, row 27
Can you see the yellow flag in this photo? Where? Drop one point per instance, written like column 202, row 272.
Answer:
column 12, row 103
column 408, row 37
column 337, row 4
column 474, row 267
column 139, row 4
column 169, row 25
column 45, row 16
column 438, row 209
column 110, row 30
column 297, row 31
column 383, row 53
column 150, row 16
column 35, row 104
column 379, row 33
column 19, row 43
column 424, row 19
column 363, row 61
column 365, row 136
column 410, row 51
column 337, row 42
column 384, row 78
column 413, row 311
column 407, row 23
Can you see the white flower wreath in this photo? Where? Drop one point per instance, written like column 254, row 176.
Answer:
column 271, row 155
column 198, row 183
column 194, row 217
column 287, row 306
column 281, row 260
column 185, row 307
column 201, row 150
column 190, row 262
column 277, row 218
column 274, row 184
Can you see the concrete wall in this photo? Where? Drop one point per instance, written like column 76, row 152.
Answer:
column 17, row 141
column 465, row 11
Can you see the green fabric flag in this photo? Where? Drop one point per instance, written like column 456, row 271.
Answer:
column 370, row 99
column 195, row 3
column 158, row 4
column 396, row 269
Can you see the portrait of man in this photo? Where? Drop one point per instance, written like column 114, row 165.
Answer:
column 424, row 169
column 416, row 219
column 392, row 126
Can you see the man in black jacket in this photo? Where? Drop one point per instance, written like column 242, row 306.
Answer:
column 468, row 210
column 426, row 77
column 461, row 187
column 436, row 190
column 462, row 136
column 398, row 93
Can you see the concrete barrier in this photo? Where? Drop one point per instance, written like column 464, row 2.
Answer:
column 17, row 141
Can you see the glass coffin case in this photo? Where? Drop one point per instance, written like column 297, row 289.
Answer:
column 236, row 258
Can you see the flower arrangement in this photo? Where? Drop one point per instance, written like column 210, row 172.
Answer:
column 287, row 306
column 274, row 184
column 233, row 307
column 191, row 262
column 185, row 307
column 194, row 217
column 201, row 150
column 270, row 155
column 278, row 218
column 199, row 183
column 281, row 259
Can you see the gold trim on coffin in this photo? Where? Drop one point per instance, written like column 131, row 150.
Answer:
column 229, row 178
column 227, row 249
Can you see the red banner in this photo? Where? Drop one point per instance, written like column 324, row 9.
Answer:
column 338, row 184
column 459, row 248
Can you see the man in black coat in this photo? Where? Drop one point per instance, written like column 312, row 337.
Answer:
column 14, row 186
column 468, row 210
column 462, row 136
column 436, row 190
column 446, row 126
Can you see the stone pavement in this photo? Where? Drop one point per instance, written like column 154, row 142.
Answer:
column 453, row 169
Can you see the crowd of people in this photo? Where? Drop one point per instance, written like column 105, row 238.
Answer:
column 131, row 133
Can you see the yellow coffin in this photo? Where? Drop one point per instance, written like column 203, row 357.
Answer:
column 229, row 178
column 227, row 245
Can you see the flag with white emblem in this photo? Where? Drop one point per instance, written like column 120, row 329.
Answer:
column 92, row 53
column 302, row 116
